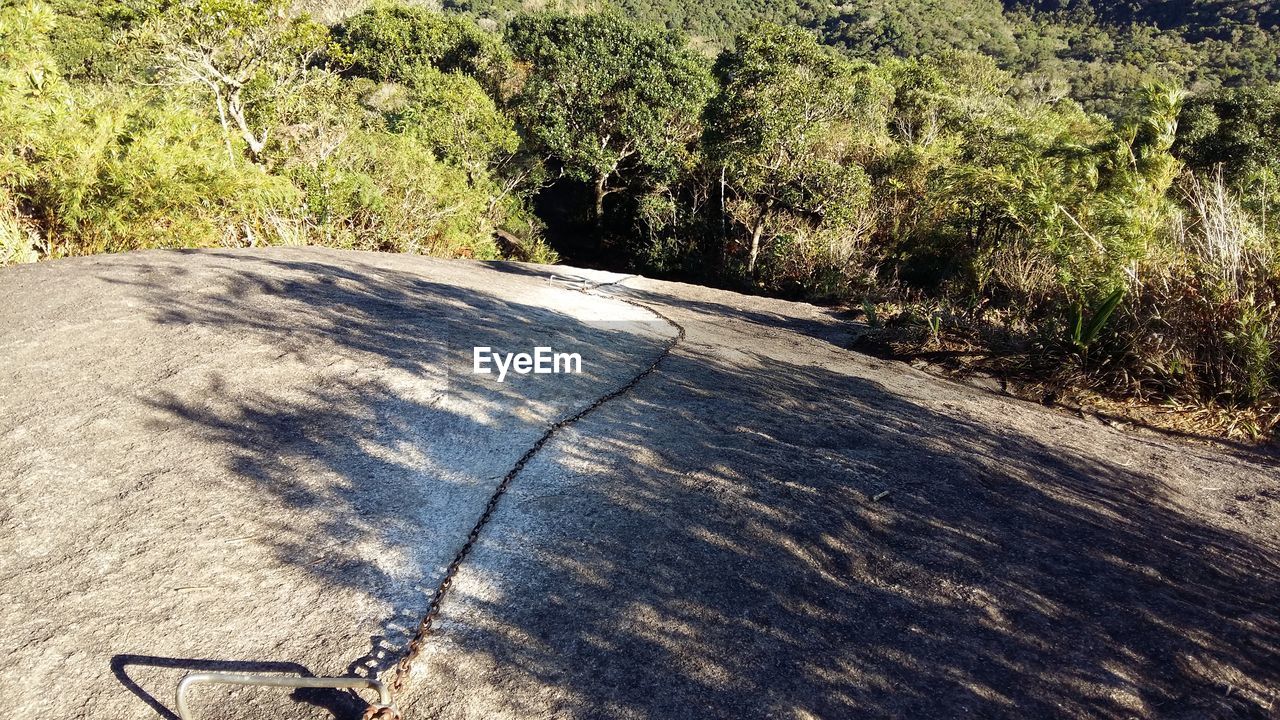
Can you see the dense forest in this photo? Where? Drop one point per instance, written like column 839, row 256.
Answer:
column 1086, row 188
column 1097, row 51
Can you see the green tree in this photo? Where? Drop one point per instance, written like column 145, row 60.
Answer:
column 98, row 169
column 785, row 130
column 452, row 114
column 29, row 86
column 390, row 41
column 1238, row 129
column 90, row 40
column 245, row 53
column 608, row 98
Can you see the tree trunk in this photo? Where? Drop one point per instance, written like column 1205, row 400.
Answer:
column 757, row 234
column 236, row 109
column 226, row 124
column 601, row 192
column 724, row 217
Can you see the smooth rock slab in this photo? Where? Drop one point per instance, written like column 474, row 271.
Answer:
column 256, row 460
column 220, row 460
column 774, row 527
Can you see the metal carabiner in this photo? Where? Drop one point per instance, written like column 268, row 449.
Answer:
column 287, row 681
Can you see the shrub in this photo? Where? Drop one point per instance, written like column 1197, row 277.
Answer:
column 451, row 114
column 137, row 172
column 389, row 191
column 19, row 242
column 390, row 41
column 101, row 169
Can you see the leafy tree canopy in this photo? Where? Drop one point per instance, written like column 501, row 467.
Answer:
column 606, row 96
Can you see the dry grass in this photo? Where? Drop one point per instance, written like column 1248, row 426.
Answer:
column 1220, row 237
column 1203, row 320
column 993, row 358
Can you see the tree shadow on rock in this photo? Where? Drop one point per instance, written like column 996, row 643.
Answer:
column 356, row 443
column 715, row 549
column 711, row 546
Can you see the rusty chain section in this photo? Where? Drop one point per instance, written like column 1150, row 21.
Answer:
column 405, row 665
column 381, row 712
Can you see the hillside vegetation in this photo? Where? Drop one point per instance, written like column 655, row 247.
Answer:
column 1098, row 51
column 1038, row 183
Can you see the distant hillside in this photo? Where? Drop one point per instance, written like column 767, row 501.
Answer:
column 1097, row 52
column 1200, row 18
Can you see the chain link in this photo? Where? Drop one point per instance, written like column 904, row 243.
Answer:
column 381, row 712
column 405, row 665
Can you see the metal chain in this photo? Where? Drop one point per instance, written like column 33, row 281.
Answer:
column 381, row 712
column 405, row 664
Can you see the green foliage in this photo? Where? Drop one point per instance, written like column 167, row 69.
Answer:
column 86, row 170
column 606, row 97
column 243, row 141
column 390, row 41
column 402, row 168
column 244, row 53
column 389, row 192
column 452, row 114
column 717, row 20
column 1253, row 341
column 1083, row 335
column 935, row 328
column 1204, row 318
column 1099, row 53
column 787, row 128
column 153, row 175
column 1202, row 17
column 1237, row 130
column 28, row 71
column 108, row 173
column 87, row 38
column 884, row 28
column 869, row 310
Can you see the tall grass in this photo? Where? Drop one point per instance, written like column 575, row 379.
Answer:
column 1206, row 321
